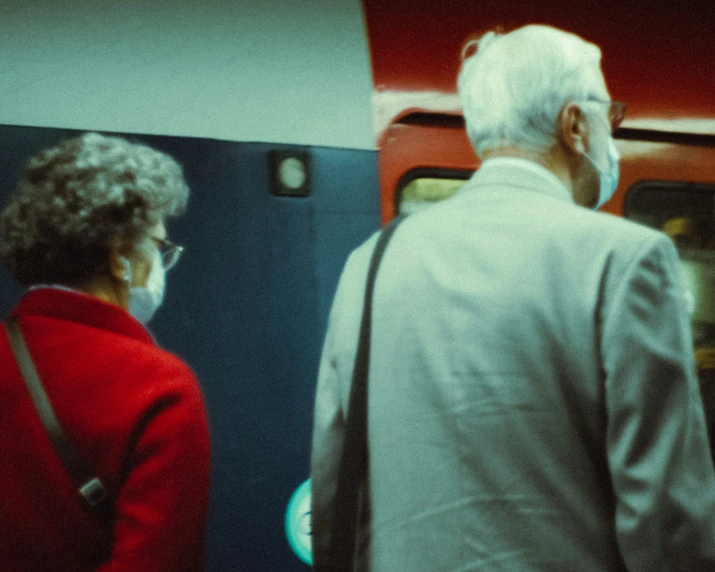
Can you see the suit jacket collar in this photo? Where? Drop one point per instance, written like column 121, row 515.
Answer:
column 521, row 173
column 75, row 306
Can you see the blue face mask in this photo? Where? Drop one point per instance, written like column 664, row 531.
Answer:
column 145, row 300
column 608, row 180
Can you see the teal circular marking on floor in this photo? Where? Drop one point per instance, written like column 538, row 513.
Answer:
column 297, row 523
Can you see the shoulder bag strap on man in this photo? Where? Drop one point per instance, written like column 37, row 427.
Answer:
column 353, row 470
column 89, row 487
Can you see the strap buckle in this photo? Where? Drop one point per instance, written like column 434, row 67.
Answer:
column 93, row 492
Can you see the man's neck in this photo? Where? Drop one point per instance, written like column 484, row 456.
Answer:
column 553, row 160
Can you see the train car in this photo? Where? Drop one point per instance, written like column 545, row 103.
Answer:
column 266, row 104
column 302, row 127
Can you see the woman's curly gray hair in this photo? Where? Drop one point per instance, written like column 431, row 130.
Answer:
column 78, row 199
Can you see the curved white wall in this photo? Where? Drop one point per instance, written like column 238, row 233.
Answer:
column 287, row 71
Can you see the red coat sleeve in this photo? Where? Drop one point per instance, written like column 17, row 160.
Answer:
column 162, row 498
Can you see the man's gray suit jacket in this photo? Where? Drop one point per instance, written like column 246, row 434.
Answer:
column 533, row 401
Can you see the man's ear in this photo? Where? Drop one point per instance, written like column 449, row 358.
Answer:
column 573, row 129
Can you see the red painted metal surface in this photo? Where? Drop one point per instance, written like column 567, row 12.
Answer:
column 659, row 59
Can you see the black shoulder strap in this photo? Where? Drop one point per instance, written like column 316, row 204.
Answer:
column 352, row 473
column 89, row 487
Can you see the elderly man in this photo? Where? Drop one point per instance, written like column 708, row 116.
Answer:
column 533, row 404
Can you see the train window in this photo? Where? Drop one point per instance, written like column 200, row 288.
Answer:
column 421, row 188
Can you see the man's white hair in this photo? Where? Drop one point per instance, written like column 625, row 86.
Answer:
column 514, row 86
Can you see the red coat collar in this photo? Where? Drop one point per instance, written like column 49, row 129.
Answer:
column 75, row 306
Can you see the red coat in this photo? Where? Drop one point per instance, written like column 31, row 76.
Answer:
column 136, row 416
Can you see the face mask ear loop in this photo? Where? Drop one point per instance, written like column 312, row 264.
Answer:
column 127, row 270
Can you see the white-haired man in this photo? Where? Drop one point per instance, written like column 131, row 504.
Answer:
column 533, row 400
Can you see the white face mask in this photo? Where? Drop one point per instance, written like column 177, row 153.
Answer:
column 608, row 180
column 145, row 300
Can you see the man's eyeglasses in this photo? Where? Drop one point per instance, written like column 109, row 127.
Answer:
column 169, row 252
column 616, row 111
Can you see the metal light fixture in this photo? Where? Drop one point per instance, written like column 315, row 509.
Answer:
column 290, row 174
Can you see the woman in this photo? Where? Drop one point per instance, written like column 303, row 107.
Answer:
column 85, row 233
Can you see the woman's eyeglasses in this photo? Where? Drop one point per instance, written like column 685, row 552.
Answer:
column 169, row 252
